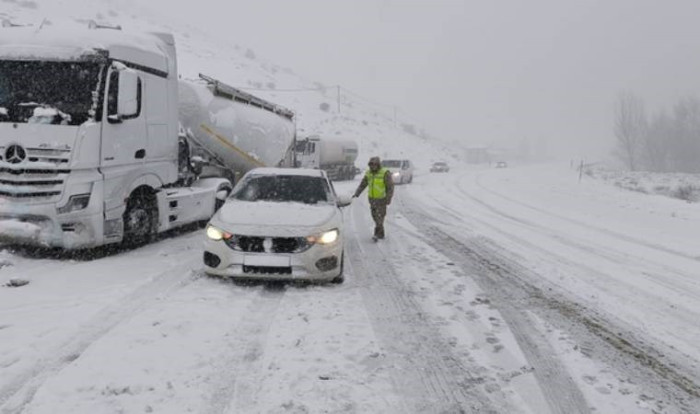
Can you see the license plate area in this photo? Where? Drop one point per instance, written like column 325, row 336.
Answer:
column 267, row 260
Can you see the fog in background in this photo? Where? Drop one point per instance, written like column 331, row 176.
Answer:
column 478, row 72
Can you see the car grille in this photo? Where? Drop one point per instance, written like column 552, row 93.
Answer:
column 257, row 244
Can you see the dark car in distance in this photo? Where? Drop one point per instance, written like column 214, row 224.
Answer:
column 440, row 166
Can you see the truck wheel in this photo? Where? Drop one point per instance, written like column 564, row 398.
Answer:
column 140, row 219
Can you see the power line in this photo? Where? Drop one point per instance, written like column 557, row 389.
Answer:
column 348, row 94
column 320, row 90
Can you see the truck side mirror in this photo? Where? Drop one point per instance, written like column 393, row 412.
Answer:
column 197, row 164
column 128, row 98
column 124, row 96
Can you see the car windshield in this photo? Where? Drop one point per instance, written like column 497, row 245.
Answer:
column 61, row 93
column 284, row 188
column 391, row 163
column 440, row 164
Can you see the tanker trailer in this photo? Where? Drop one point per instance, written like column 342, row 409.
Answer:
column 336, row 156
column 230, row 131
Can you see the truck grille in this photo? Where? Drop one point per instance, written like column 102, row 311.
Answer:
column 31, row 183
column 257, row 244
column 57, row 157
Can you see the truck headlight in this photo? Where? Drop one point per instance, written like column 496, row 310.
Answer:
column 75, row 202
column 327, row 237
column 217, row 234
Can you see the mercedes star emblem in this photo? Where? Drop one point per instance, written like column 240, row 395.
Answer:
column 15, row 154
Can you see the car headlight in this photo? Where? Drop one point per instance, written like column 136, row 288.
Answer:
column 327, row 237
column 396, row 174
column 217, row 234
column 75, row 202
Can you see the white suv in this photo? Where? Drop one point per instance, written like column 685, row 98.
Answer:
column 401, row 170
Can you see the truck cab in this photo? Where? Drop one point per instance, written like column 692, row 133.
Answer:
column 307, row 155
column 89, row 137
column 335, row 156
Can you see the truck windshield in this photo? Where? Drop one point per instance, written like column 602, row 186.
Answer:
column 48, row 92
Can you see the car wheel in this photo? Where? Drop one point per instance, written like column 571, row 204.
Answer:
column 340, row 278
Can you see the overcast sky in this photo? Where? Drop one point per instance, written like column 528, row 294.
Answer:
column 479, row 71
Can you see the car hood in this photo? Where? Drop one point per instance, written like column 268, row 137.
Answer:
column 264, row 218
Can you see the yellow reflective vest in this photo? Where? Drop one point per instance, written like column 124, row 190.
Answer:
column 376, row 186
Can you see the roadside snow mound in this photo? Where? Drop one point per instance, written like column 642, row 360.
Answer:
column 676, row 185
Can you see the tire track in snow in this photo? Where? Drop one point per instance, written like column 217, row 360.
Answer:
column 659, row 276
column 617, row 235
column 679, row 311
column 559, row 389
column 607, row 252
column 425, row 370
column 510, row 283
column 679, row 283
column 20, row 392
column 238, row 376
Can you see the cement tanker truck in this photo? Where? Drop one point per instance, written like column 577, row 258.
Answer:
column 232, row 131
column 100, row 143
column 336, row 156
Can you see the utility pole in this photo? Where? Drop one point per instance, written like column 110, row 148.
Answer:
column 338, row 90
column 395, row 123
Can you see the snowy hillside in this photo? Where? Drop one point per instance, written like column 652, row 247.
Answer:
column 232, row 62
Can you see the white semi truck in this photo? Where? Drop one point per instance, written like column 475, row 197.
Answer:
column 101, row 143
column 336, row 156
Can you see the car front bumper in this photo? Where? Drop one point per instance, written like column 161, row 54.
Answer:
column 318, row 263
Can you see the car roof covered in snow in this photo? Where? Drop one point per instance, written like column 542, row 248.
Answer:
column 73, row 42
column 308, row 172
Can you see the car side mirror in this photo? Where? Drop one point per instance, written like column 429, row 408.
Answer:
column 344, row 200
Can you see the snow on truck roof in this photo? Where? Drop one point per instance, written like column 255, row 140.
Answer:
column 79, row 42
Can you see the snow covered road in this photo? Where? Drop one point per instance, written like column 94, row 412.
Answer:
column 510, row 290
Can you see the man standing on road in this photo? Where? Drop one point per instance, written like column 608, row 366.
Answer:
column 380, row 189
